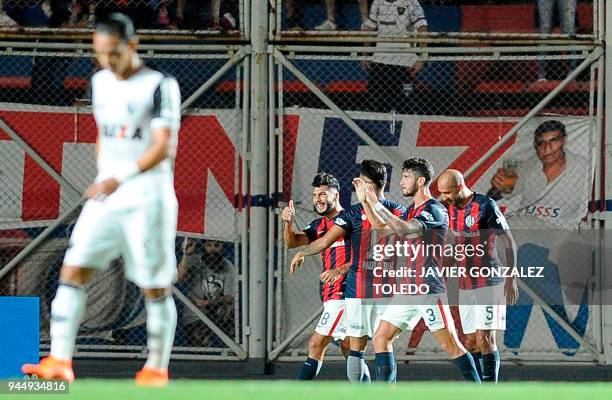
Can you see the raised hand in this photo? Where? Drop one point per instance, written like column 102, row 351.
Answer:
column 288, row 212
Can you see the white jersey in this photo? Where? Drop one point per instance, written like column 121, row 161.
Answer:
column 127, row 112
column 396, row 18
column 562, row 202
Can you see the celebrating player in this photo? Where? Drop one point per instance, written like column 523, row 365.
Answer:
column 363, row 305
column 424, row 224
column 132, row 208
column 326, row 202
column 476, row 220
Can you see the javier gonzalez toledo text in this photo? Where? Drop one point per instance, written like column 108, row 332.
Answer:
column 466, row 261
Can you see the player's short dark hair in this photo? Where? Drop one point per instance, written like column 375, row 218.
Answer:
column 117, row 24
column 325, row 179
column 375, row 171
column 550, row 126
column 421, row 166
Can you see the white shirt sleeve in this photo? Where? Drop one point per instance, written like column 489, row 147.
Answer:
column 417, row 16
column 167, row 105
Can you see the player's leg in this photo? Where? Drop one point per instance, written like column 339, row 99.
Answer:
column 345, row 347
column 396, row 317
column 386, row 367
column 316, row 351
column 150, row 263
column 490, row 355
column 331, row 325
column 490, row 316
column 357, row 329
column 67, row 309
column 161, row 325
column 467, row 314
column 439, row 320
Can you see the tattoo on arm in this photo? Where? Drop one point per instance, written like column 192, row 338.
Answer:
column 398, row 225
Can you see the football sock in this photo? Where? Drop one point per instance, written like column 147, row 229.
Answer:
column 465, row 363
column 366, row 373
column 490, row 367
column 356, row 366
column 67, row 310
column 477, row 357
column 386, row 368
column 161, row 323
column 310, row 369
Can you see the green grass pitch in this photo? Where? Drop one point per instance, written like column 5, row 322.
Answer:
column 286, row 390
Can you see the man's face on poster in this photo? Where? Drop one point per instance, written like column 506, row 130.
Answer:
column 549, row 147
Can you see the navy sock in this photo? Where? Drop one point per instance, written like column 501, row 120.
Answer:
column 310, row 369
column 490, row 367
column 477, row 357
column 386, row 368
column 466, row 365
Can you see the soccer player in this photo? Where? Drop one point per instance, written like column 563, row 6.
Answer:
column 476, row 220
column 326, row 202
column 364, row 305
column 132, row 208
column 423, row 225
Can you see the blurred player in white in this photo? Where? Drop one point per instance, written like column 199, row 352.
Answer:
column 132, row 208
column 326, row 202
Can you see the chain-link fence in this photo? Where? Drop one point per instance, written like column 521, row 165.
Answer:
column 494, row 117
column 361, row 18
column 48, row 161
column 221, row 16
column 469, row 105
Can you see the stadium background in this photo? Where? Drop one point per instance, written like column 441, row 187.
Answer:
column 265, row 107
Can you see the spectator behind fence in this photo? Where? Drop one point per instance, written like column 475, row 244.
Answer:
column 552, row 184
column 209, row 278
column 214, row 14
column 391, row 75
column 567, row 22
column 330, row 23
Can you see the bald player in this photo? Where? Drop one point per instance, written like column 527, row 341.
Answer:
column 476, row 220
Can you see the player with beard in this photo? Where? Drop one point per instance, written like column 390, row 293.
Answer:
column 365, row 303
column 423, row 225
column 326, row 203
column 475, row 220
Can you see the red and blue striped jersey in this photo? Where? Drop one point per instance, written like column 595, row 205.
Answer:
column 337, row 255
column 426, row 257
column 361, row 282
column 477, row 224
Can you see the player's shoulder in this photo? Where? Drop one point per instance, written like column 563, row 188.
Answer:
column 349, row 214
column 102, row 75
column 483, row 200
column 435, row 208
column 392, row 205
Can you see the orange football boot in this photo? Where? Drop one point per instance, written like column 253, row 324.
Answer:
column 50, row 368
column 152, row 377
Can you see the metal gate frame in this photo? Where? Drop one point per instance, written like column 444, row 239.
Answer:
column 282, row 55
column 237, row 55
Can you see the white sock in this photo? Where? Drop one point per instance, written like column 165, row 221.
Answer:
column 67, row 310
column 161, row 324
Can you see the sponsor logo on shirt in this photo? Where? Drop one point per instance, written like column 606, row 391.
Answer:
column 427, row 216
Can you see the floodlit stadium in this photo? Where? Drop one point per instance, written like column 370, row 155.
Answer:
column 397, row 198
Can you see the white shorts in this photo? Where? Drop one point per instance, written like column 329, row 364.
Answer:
column 483, row 309
column 332, row 321
column 144, row 236
column 363, row 316
column 405, row 312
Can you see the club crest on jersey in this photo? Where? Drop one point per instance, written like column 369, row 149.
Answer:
column 340, row 221
column 469, row 221
column 401, row 10
column 427, row 215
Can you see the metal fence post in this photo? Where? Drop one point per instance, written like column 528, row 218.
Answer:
column 258, row 189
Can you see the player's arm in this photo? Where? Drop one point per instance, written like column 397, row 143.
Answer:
column 292, row 238
column 317, row 246
column 333, row 275
column 391, row 221
column 497, row 221
column 510, row 288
